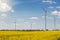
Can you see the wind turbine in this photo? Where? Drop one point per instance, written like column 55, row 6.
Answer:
column 31, row 25
column 45, row 11
column 15, row 22
column 55, row 22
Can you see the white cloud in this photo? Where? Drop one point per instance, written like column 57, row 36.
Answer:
column 3, row 15
column 50, row 7
column 57, row 6
column 4, row 7
column 34, row 18
column 48, row 1
column 26, row 22
column 12, row 10
column 56, row 13
column 54, row 7
column 48, row 17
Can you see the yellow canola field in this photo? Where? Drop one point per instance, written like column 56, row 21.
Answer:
column 29, row 35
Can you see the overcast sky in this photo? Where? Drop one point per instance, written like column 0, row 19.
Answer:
column 27, row 12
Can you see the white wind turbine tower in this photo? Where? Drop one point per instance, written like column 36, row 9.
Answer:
column 15, row 22
column 31, row 23
column 55, row 12
column 55, row 22
column 45, row 13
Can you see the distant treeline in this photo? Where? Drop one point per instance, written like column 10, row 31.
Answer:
column 32, row 30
